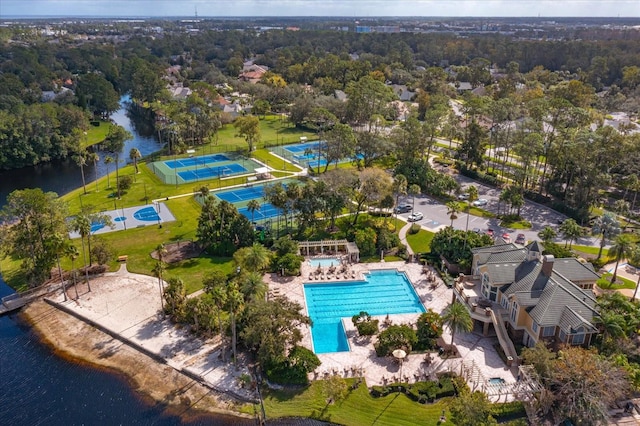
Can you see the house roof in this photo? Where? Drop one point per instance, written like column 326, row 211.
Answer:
column 551, row 299
column 500, row 253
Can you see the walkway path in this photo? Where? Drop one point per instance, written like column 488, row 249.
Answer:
column 402, row 234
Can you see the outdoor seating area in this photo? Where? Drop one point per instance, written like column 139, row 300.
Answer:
column 332, row 272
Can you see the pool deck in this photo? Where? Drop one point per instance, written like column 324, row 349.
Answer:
column 475, row 349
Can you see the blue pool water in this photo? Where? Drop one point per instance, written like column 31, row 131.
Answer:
column 496, row 381
column 325, row 262
column 383, row 292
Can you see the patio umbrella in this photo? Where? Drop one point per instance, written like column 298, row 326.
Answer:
column 399, row 354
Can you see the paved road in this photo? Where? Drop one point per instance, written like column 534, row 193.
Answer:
column 436, row 217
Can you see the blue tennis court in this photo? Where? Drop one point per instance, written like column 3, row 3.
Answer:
column 317, row 163
column 196, row 161
column 212, row 172
column 302, row 147
column 242, row 194
column 266, row 211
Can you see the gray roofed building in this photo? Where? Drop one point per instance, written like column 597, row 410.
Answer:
column 536, row 297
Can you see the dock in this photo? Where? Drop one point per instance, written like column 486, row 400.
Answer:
column 15, row 301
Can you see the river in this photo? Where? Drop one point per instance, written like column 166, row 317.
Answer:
column 64, row 176
column 36, row 386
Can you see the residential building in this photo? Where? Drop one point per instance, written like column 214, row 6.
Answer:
column 529, row 297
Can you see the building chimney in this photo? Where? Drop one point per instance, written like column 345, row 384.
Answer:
column 547, row 264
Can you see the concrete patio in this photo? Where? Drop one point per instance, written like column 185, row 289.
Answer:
column 477, row 352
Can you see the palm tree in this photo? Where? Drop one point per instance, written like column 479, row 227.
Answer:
column 606, row 226
column 114, row 143
column 252, row 259
column 135, row 155
column 73, row 254
column 472, row 192
column 634, row 259
column 622, row 247
column 82, row 225
column 252, row 206
column 157, row 271
column 611, row 324
column 399, row 188
column 108, row 160
column 458, row 319
column 59, row 247
column 571, row 231
column 81, row 161
column 253, row 287
column 92, row 157
column 547, row 234
column 413, row 191
column 453, row 208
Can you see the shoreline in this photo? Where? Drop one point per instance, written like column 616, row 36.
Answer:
column 153, row 382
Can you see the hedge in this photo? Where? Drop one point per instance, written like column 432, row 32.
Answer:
column 421, row 392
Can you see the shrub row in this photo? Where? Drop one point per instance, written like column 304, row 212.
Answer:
column 508, row 411
column 421, row 392
column 487, row 178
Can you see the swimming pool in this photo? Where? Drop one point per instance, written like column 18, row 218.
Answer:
column 325, row 262
column 383, row 292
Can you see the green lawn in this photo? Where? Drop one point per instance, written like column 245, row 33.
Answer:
column 476, row 211
column 96, row 134
column 519, row 224
column 589, row 250
column 265, row 156
column 358, row 408
column 420, row 242
column 605, row 282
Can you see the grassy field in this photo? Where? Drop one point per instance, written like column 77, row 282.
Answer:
column 519, row 224
column 420, row 242
column 589, row 250
column 605, row 282
column 96, row 134
column 358, row 408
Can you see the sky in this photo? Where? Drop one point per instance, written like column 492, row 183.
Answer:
column 348, row 8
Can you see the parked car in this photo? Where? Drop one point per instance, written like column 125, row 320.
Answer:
column 463, row 196
column 415, row 216
column 477, row 230
column 520, row 239
column 480, row 202
column 506, row 237
column 404, row 208
column 490, row 232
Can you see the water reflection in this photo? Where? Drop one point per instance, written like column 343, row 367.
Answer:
column 64, row 176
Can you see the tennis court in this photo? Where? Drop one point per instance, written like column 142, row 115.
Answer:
column 242, row 194
column 266, row 211
column 196, row 161
column 302, row 147
column 211, row 172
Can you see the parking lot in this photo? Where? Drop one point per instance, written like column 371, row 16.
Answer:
column 435, row 215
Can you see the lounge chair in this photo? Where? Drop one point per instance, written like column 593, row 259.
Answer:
column 310, row 277
column 353, row 274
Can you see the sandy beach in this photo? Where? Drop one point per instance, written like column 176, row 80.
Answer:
column 153, row 381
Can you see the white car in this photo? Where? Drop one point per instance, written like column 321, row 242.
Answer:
column 415, row 216
column 480, row 202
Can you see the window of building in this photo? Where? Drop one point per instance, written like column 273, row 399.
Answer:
column 562, row 335
column 548, row 331
column 534, row 327
column 578, row 337
column 514, row 311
